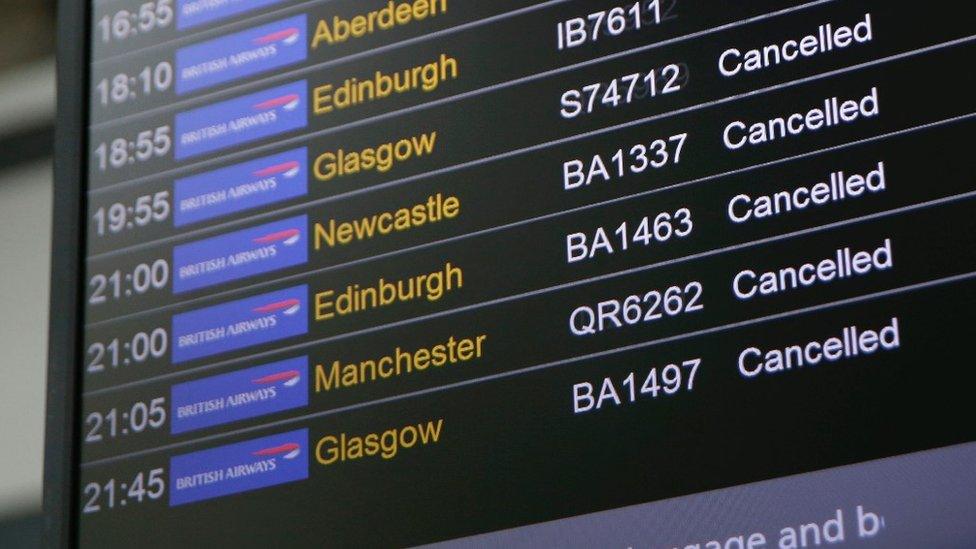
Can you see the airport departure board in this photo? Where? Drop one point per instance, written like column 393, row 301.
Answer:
column 607, row 273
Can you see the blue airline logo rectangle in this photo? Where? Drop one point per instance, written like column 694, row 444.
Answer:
column 240, row 324
column 241, row 120
column 240, row 467
column 244, row 394
column 192, row 13
column 240, row 254
column 240, row 187
column 241, row 54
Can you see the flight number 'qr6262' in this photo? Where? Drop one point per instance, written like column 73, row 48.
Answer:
column 646, row 308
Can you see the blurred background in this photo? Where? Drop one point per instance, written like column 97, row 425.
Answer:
column 27, row 93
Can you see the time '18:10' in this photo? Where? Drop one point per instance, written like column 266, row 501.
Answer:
column 122, row 87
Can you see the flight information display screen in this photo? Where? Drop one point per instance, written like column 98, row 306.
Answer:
column 616, row 273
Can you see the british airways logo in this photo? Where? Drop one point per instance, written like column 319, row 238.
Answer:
column 239, row 55
column 239, row 467
column 241, row 120
column 244, row 394
column 289, row 378
column 287, row 169
column 288, row 237
column 239, row 324
column 288, row 307
column 192, row 13
column 239, row 254
column 288, row 37
column 288, row 450
column 240, row 187
column 288, row 102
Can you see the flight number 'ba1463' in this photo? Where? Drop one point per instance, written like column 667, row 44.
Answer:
column 650, row 229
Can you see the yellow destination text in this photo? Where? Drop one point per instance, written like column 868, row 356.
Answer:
column 391, row 15
column 399, row 363
column 437, row 208
column 387, row 444
column 381, row 158
column 383, row 293
column 353, row 91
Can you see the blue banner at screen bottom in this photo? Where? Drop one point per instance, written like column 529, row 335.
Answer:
column 191, row 13
column 235, row 56
column 240, row 324
column 241, row 120
column 240, row 467
column 245, row 394
column 240, row 254
column 240, row 187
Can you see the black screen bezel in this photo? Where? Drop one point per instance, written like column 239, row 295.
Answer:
column 67, row 261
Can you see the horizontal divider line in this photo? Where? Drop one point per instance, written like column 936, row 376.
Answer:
column 545, row 365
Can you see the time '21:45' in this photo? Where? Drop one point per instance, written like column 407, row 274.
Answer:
column 113, row 494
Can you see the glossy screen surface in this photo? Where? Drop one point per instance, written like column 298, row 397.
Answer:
column 609, row 273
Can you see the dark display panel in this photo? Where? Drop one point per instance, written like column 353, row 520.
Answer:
column 398, row 272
